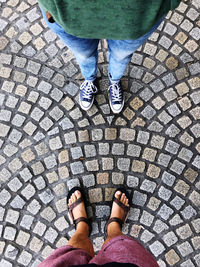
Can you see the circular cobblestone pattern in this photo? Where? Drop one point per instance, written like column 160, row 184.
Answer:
column 48, row 144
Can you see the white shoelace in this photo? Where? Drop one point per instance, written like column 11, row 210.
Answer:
column 88, row 89
column 115, row 92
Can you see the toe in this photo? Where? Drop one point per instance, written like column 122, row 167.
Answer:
column 123, row 198
column 78, row 194
column 73, row 197
column 118, row 194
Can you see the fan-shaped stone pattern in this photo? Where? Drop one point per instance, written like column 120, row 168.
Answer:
column 48, row 144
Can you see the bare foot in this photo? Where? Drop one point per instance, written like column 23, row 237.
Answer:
column 117, row 211
column 79, row 210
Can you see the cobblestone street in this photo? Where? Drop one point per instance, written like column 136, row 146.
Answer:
column 49, row 145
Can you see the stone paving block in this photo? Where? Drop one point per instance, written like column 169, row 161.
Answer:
column 139, row 198
column 77, row 167
column 123, row 164
column 185, row 248
column 107, row 164
column 117, row 178
column 172, row 257
column 188, row 212
column 157, row 248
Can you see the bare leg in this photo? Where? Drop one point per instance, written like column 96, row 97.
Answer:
column 80, row 238
column 114, row 229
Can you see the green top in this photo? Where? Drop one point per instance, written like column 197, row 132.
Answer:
column 107, row 19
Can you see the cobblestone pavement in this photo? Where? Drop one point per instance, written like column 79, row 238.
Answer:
column 48, row 144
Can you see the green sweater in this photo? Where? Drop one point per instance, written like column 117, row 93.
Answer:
column 107, row 19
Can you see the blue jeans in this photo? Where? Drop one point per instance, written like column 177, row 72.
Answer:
column 85, row 51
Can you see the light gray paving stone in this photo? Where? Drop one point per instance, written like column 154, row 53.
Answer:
column 139, row 198
column 34, row 207
column 197, row 259
column 123, row 164
column 70, row 138
column 165, row 212
column 148, row 186
column 177, row 167
column 196, row 130
column 136, row 73
column 25, row 258
column 176, row 220
column 118, row 149
column 157, row 86
column 187, row 263
column 134, row 214
column 146, row 94
column 132, row 181
column 157, row 248
column 196, row 225
column 77, row 167
column 6, row 263
column 102, row 211
column 185, row 154
column 12, row 216
column 155, row 127
column 90, row 150
column 46, row 196
column 146, row 236
column 160, row 226
column 174, row 110
column 133, row 150
column 11, row 252
column 164, row 193
column 66, row 123
column 177, row 202
column 5, row 196
column 117, row 178
column 76, row 114
column 164, row 117
column 104, row 148
column 27, row 221
column 185, row 248
column 71, row 89
column 184, row 231
column 148, row 112
column 188, row 212
column 50, row 161
column 172, row 147
column 164, row 159
column 76, row 152
column 9, row 233
column 97, row 134
column 170, row 239
column 39, row 228
column 88, row 180
column 143, row 137
column 172, row 130
column 51, row 235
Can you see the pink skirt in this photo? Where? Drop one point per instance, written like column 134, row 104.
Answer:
column 121, row 249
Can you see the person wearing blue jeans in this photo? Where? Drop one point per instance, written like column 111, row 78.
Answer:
column 85, row 51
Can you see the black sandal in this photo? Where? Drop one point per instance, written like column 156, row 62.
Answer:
column 75, row 204
column 124, row 207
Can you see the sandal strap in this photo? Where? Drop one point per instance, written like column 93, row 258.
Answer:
column 113, row 219
column 81, row 219
column 124, row 207
column 73, row 205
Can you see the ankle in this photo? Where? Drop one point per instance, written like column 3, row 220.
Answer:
column 114, row 229
column 82, row 228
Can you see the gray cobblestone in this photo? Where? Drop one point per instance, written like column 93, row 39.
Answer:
column 160, row 226
column 188, row 212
